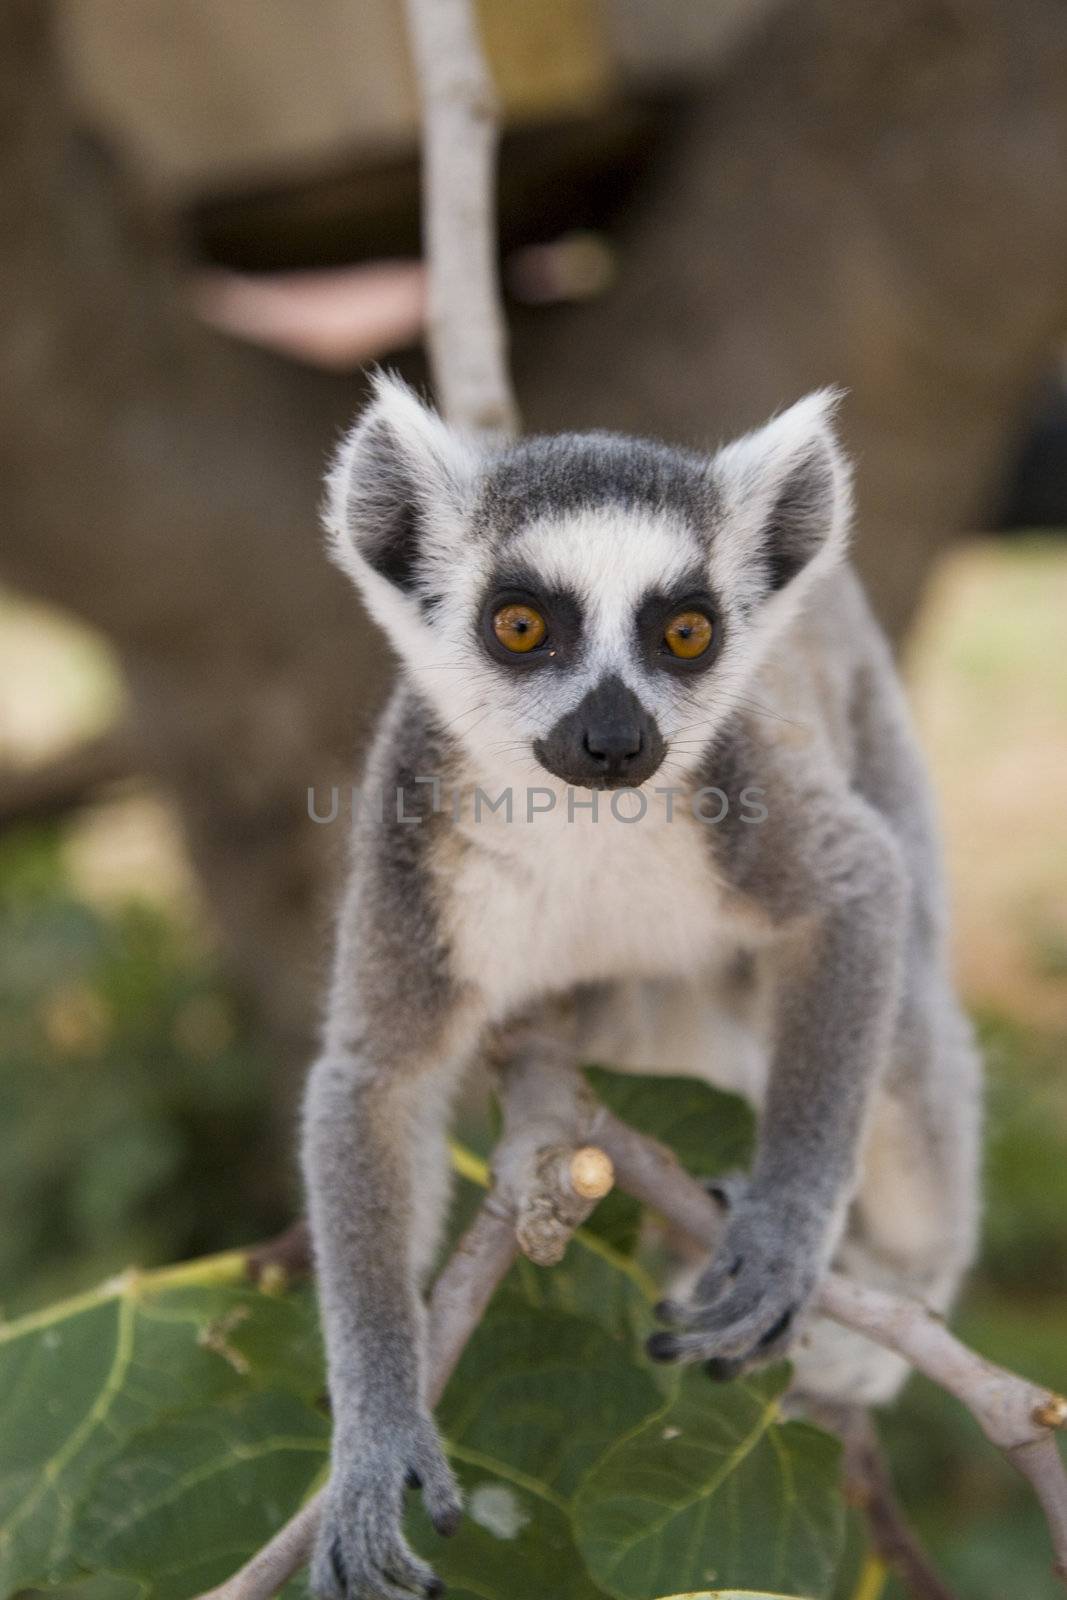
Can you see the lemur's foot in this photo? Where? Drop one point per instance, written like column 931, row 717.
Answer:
column 360, row 1551
column 744, row 1308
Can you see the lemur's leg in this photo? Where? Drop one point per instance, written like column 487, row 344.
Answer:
column 375, row 1156
column 913, row 1224
column 547, row 1111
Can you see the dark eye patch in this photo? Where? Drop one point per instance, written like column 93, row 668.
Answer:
column 559, row 607
column 653, row 615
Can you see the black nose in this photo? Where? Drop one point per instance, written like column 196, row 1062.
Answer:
column 608, row 741
column 613, row 745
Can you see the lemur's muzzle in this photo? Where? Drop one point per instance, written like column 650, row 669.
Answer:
column 609, row 741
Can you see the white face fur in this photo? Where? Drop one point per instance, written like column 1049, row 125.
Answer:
column 606, row 539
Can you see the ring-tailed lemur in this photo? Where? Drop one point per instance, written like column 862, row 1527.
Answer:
column 582, row 614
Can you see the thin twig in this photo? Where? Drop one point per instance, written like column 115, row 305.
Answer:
column 544, row 1167
column 869, row 1487
column 274, row 1264
column 1014, row 1414
column 279, row 1560
column 467, row 333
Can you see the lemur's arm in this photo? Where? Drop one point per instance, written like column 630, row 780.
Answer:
column 358, row 1156
column 376, row 1170
column 826, row 872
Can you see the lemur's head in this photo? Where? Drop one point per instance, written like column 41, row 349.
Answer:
column 586, row 604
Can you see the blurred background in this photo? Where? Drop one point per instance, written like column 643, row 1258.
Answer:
column 208, row 227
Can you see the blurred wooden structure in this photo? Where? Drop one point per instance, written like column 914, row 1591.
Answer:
column 211, row 92
column 208, row 93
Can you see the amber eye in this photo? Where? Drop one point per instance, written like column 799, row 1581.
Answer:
column 519, row 627
column 688, row 634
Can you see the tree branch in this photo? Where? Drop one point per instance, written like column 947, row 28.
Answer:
column 275, row 1263
column 869, row 1486
column 467, row 336
column 1015, row 1415
column 544, row 1168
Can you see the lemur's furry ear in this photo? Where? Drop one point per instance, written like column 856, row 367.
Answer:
column 397, row 488
column 785, row 493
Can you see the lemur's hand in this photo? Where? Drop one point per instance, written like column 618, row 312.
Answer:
column 744, row 1307
column 360, row 1552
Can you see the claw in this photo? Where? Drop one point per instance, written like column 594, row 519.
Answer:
column 719, row 1370
column 413, row 1576
column 338, row 1565
column 727, row 1190
column 441, row 1498
column 662, row 1347
column 780, row 1327
column 447, row 1523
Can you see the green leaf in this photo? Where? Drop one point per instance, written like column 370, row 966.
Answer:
column 515, row 1542
column 714, row 1489
column 155, row 1433
column 512, row 1400
column 233, row 1472
column 151, row 1421
column 709, row 1131
column 102, row 1586
column 593, row 1279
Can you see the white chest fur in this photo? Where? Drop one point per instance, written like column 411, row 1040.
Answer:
column 537, row 906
